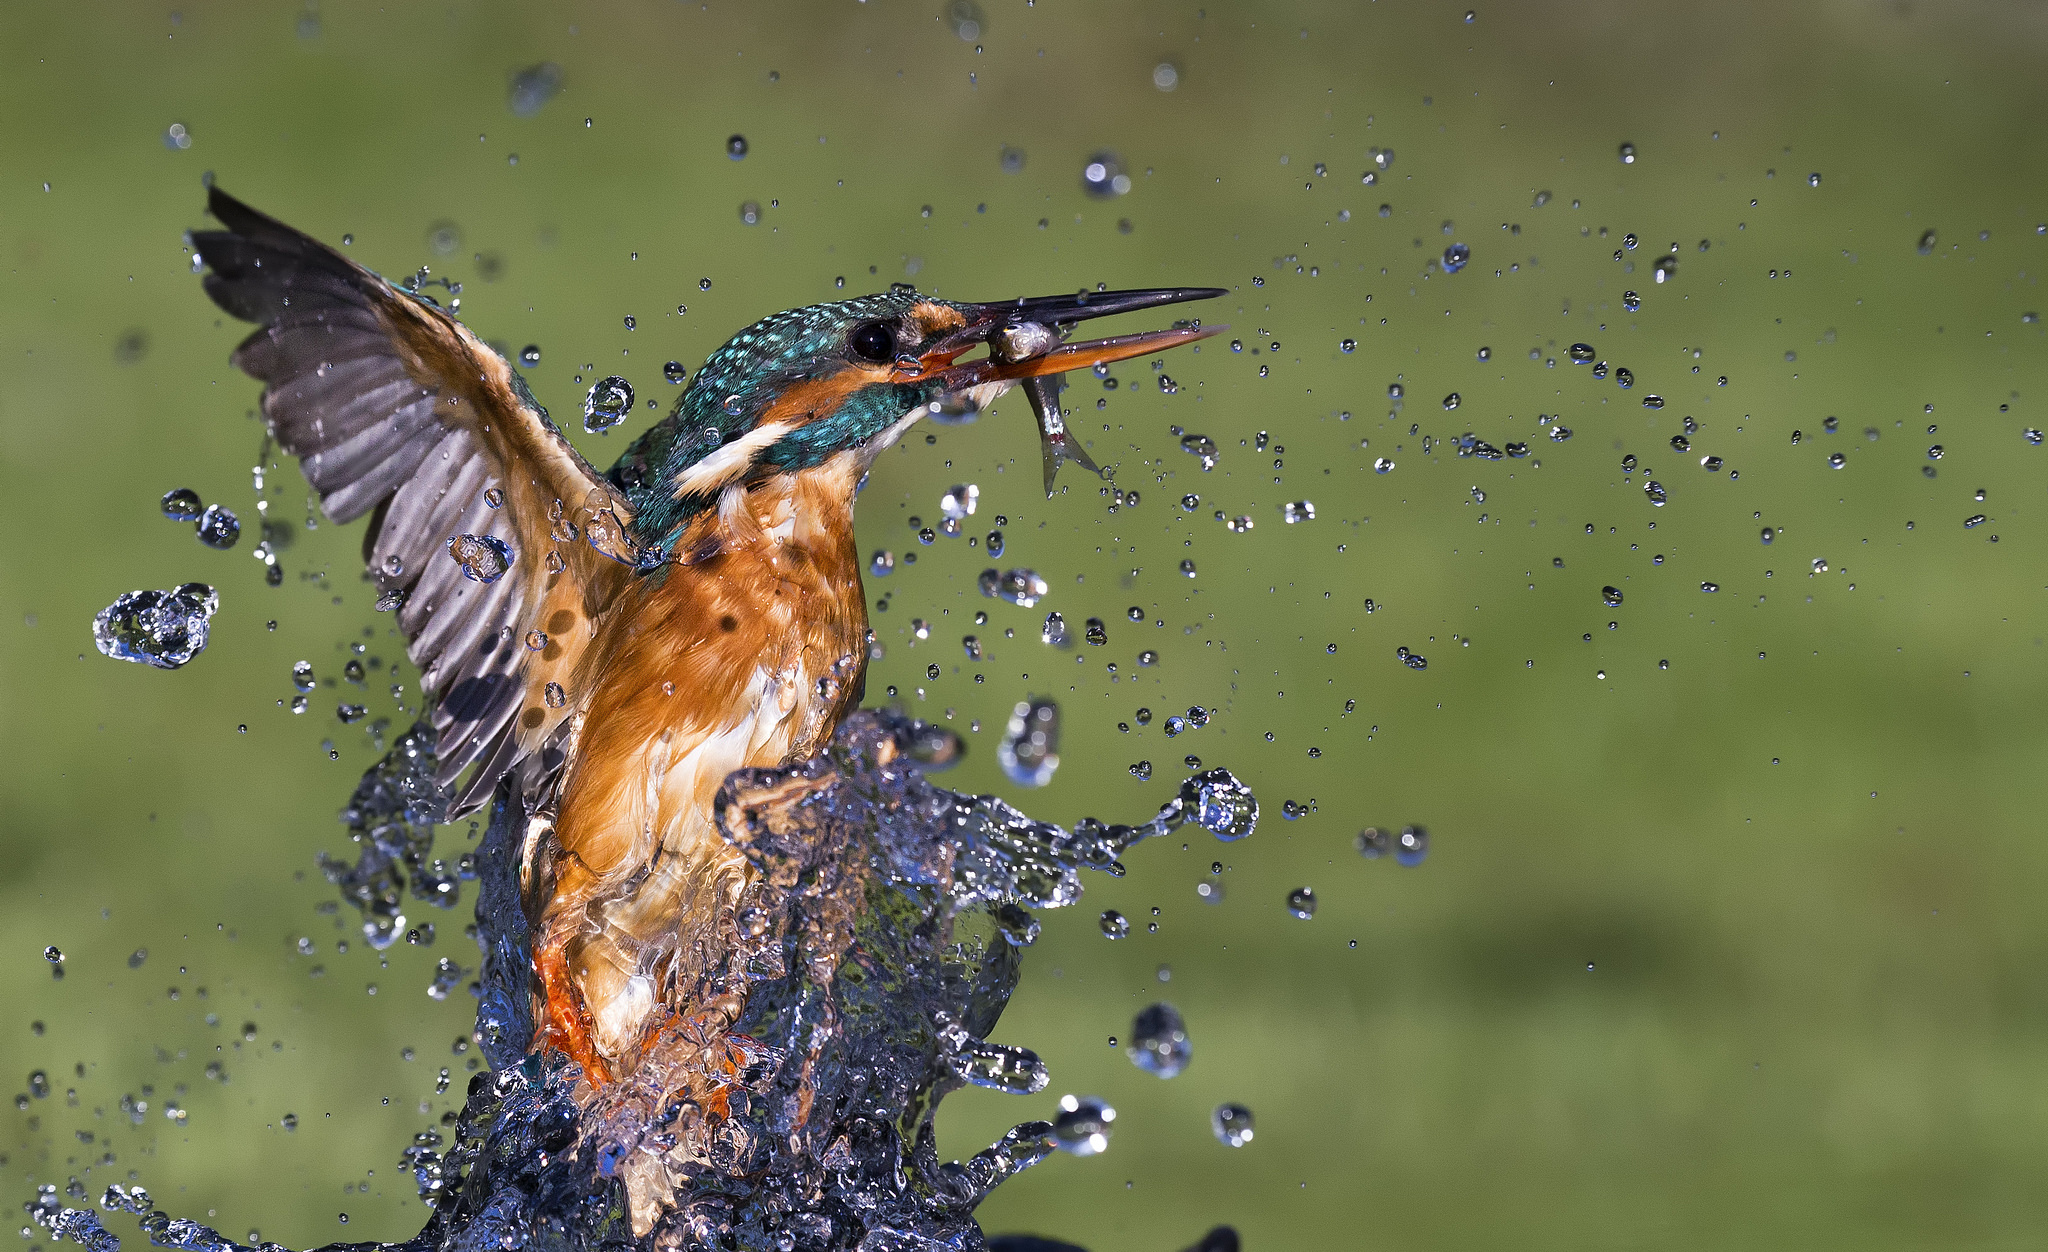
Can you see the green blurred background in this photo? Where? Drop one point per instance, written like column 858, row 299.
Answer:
column 1742, row 953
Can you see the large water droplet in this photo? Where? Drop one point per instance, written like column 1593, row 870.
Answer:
column 1103, row 175
column 163, row 629
column 533, row 87
column 1301, row 903
column 1232, row 1124
column 1411, row 845
column 1082, row 1126
column 1021, row 587
column 1159, row 1041
column 182, row 504
column 483, row 558
column 960, row 501
column 609, row 402
column 1220, row 804
column 218, row 527
column 1029, row 749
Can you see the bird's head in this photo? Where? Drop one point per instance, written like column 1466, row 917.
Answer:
column 802, row 387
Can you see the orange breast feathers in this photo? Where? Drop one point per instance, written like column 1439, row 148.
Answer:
column 745, row 658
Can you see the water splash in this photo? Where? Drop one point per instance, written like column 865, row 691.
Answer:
column 806, row 1120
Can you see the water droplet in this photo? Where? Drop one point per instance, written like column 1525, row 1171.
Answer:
column 1411, row 659
column 533, row 87
column 182, row 505
column 1927, row 242
column 1611, row 597
column 1631, row 301
column 1159, row 1041
column 960, row 502
column 529, row 356
column 483, row 558
column 1096, row 633
column 1710, row 588
column 1301, row 903
column 1054, row 631
column 1372, row 843
column 1451, row 401
column 554, row 695
column 1114, row 925
column 1628, row 154
column 1768, row 533
column 1836, row 460
column 1298, row 511
column 1011, row 159
column 1103, row 176
column 1382, row 464
column 1021, row 587
column 1411, row 846
column 1347, row 345
column 750, row 212
column 1220, row 804
column 1232, row 1124
column 1665, row 269
column 1582, row 353
column 609, row 402
column 736, row 147
column 218, row 527
column 1082, row 1126
column 1455, row 257
column 1029, row 749
column 1201, row 447
column 1187, row 566
column 1974, row 521
column 163, row 629
column 675, row 371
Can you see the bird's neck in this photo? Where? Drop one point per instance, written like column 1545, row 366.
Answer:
column 805, row 516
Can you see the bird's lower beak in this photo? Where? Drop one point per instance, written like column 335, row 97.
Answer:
column 1024, row 337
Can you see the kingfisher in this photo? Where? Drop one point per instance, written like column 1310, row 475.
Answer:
column 610, row 646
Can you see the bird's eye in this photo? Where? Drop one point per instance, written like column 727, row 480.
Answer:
column 874, row 341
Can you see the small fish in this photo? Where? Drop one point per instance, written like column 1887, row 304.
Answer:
column 1030, row 339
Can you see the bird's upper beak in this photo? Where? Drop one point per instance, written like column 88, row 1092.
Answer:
column 1024, row 337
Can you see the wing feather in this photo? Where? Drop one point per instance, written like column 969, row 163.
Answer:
column 392, row 405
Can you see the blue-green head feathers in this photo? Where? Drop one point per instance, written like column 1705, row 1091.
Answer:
column 744, row 383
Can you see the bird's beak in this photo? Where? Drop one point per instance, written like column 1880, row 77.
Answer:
column 1025, row 342
column 1024, row 337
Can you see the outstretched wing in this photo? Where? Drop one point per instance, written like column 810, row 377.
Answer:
column 394, row 408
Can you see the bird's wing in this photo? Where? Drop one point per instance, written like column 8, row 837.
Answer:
column 394, row 408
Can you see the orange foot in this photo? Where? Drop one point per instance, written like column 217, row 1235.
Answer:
column 565, row 1022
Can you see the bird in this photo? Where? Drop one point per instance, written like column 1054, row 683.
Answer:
column 606, row 648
